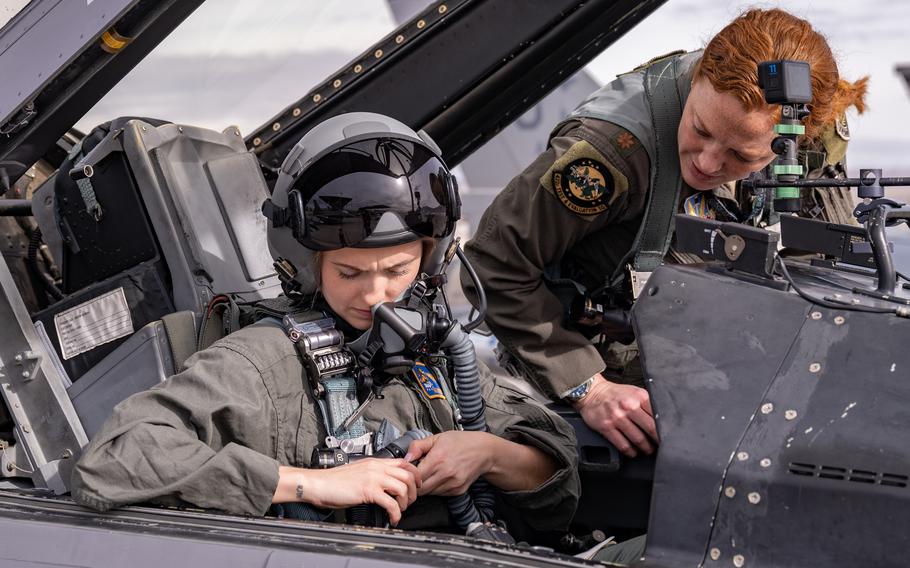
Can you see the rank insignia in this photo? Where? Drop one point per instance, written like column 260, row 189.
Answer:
column 584, row 186
column 626, row 141
column 697, row 206
column 427, row 381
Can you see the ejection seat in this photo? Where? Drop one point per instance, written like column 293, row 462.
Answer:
column 149, row 219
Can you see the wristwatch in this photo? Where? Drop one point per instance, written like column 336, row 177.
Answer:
column 579, row 392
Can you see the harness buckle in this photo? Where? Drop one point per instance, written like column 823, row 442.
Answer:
column 638, row 280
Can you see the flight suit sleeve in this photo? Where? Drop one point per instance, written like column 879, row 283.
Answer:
column 189, row 438
column 512, row 415
column 530, row 227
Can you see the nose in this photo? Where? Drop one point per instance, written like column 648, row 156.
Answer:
column 710, row 160
column 375, row 290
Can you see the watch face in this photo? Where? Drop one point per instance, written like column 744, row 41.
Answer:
column 579, row 392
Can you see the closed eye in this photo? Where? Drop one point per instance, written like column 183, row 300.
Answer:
column 347, row 275
column 397, row 272
column 744, row 159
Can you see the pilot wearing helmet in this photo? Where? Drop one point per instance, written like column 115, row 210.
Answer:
column 299, row 417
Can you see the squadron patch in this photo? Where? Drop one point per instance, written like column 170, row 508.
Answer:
column 584, row 186
column 584, row 181
column 427, row 381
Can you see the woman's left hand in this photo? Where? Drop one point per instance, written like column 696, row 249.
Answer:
column 450, row 462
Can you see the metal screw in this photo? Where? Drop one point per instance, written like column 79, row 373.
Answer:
column 739, row 561
column 816, row 315
column 399, row 38
column 317, row 97
column 377, row 54
column 26, row 375
column 815, row 367
column 766, row 408
column 276, row 126
column 295, row 112
column 715, row 553
column 754, row 498
column 442, row 9
column 358, row 68
column 790, row 414
column 730, row 492
column 839, row 320
column 421, row 24
column 18, row 357
column 257, row 141
column 336, row 83
column 765, row 462
column 742, row 456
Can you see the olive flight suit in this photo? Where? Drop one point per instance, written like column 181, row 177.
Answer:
column 215, row 434
column 574, row 214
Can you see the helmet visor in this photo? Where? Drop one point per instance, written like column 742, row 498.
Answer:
column 344, row 196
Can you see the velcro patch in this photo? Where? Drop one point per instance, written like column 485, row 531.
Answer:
column 697, row 205
column 584, row 181
column 427, row 381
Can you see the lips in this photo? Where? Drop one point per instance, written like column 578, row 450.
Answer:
column 700, row 175
column 365, row 314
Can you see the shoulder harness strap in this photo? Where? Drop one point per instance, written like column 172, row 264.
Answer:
column 653, row 238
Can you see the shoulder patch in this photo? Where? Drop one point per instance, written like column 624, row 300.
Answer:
column 427, row 381
column 584, row 181
column 697, row 206
column 840, row 125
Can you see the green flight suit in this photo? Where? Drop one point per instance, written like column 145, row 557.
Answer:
column 215, row 434
column 573, row 213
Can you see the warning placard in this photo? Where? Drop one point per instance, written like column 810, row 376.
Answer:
column 93, row 323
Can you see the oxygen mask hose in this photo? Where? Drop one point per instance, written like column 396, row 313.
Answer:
column 460, row 350
column 410, row 328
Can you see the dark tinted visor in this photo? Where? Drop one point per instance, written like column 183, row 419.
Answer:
column 343, row 196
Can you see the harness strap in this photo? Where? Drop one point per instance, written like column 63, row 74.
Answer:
column 339, row 398
column 653, row 238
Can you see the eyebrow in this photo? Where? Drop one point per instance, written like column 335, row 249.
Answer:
column 358, row 269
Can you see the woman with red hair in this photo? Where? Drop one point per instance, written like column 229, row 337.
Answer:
column 575, row 214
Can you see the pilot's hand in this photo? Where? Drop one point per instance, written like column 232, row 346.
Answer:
column 389, row 483
column 450, row 462
column 622, row 414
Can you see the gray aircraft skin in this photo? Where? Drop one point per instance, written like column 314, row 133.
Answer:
column 780, row 397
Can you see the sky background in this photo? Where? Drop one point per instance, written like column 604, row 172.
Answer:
column 238, row 62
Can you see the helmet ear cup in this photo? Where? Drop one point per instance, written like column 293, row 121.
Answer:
column 297, row 214
column 454, row 199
